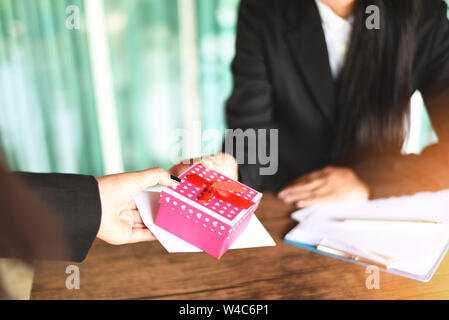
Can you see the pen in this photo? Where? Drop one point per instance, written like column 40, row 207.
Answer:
column 386, row 220
column 175, row 178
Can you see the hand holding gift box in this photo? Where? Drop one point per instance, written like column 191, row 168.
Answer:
column 207, row 210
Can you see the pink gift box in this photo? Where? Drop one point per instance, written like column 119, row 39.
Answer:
column 211, row 225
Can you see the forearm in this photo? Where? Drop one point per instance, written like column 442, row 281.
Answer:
column 74, row 202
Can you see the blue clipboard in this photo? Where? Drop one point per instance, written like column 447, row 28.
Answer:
column 422, row 278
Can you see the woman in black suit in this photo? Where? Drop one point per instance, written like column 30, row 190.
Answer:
column 342, row 116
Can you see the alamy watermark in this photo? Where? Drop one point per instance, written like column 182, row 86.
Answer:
column 73, row 280
column 73, row 19
column 373, row 280
column 372, row 22
column 250, row 146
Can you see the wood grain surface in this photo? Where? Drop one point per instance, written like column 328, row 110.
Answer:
column 147, row 271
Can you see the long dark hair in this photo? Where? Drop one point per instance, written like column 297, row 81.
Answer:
column 374, row 86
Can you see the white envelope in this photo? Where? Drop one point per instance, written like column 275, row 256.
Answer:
column 255, row 235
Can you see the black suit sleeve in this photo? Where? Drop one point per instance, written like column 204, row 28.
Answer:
column 75, row 202
column 429, row 171
column 250, row 105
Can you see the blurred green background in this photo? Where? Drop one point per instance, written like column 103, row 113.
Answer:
column 118, row 93
column 49, row 112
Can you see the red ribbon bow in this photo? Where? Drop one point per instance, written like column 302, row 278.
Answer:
column 220, row 190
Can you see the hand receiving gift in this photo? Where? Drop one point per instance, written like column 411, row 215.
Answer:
column 330, row 184
column 221, row 162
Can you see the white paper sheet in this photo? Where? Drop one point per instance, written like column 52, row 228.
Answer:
column 413, row 247
column 255, row 235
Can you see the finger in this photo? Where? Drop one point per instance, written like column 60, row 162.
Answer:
column 151, row 177
column 315, row 200
column 208, row 163
column 141, row 235
column 223, row 163
column 305, row 195
column 132, row 216
column 303, row 187
column 179, row 169
column 139, row 226
column 212, row 161
column 131, row 205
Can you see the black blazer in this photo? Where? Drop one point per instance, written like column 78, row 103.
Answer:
column 282, row 80
column 75, row 203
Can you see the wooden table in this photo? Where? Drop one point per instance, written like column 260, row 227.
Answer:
column 147, row 271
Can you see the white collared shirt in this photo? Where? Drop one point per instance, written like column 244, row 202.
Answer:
column 337, row 31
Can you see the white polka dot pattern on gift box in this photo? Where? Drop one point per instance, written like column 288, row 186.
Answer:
column 215, row 215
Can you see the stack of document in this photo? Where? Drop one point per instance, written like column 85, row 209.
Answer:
column 408, row 235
